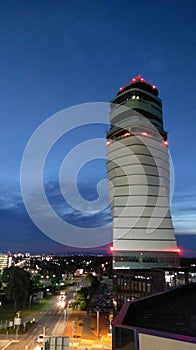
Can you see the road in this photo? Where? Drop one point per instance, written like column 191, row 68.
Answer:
column 51, row 320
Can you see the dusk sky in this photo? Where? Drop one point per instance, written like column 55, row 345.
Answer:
column 56, row 54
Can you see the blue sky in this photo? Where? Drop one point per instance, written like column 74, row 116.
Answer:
column 58, row 54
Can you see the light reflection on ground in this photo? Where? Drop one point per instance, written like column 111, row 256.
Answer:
column 61, row 304
column 38, row 347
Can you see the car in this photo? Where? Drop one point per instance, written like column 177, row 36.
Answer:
column 40, row 338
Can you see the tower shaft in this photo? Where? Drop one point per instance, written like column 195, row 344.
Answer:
column 139, row 180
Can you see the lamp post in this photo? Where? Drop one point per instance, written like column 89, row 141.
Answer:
column 65, row 314
column 97, row 324
column 30, row 299
column 73, row 328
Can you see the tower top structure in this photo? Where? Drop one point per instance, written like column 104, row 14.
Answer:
column 142, row 83
column 141, row 96
column 139, row 170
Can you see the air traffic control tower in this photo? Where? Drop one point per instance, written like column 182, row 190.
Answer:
column 139, row 180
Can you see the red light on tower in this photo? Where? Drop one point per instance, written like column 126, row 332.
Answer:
column 126, row 134
column 165, row 143
column 111, row 249
column 108, row 143
column 143, row 133
column 176, row 250
column 141, row 79
column 137, row 78
column 179, row 250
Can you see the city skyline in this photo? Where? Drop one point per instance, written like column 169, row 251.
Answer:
column 65, row 54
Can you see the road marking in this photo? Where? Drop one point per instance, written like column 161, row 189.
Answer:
column 6, row 345
column 12, row 341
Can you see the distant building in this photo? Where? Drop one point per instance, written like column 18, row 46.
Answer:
column 163, row 321
column 5, row 261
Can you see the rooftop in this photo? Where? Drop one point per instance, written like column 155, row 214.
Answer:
column 172, row 311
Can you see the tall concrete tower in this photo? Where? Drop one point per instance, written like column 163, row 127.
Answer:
column 139, row 180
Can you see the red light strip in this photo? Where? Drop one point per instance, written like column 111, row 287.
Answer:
column 143, row 133
column 126, row 134
column 138, row 78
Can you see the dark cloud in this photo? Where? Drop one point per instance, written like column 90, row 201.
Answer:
column 78, row 218
column 18, row 233
column 88, row 220
column 184, row 213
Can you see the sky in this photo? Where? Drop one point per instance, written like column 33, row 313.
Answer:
column 60, row 55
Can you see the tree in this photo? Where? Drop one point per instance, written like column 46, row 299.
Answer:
column 18, row 286
column 83, row 305
column 93, row 280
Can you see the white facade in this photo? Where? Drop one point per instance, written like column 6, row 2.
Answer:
column 138, row 170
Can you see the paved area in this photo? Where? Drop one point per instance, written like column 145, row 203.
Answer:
column 5, row 343
column 81, row 328
column 87, row 344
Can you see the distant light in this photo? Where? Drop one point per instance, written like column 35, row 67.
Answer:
column 121, row 88
column 133, row 80
column 153, row 86
column 137, row 97
column 133, row 97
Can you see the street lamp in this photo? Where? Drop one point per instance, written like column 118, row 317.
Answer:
column 65, row 313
